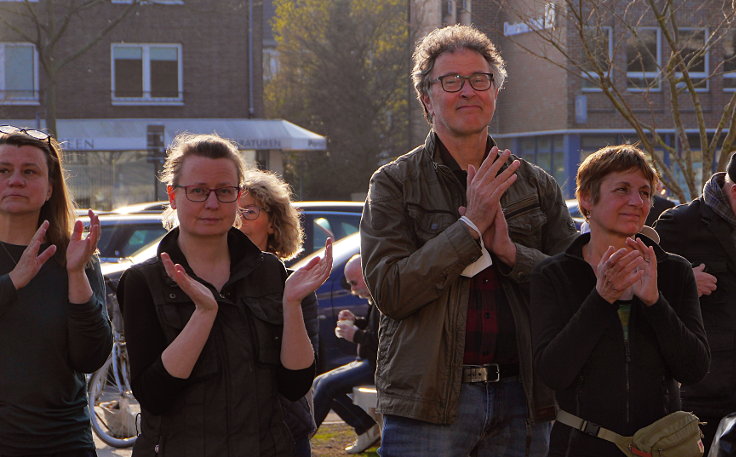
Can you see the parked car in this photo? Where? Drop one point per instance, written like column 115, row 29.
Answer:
column 577, row 217
column 333, row 296
column 122, row 235
column 320, row 219
column 145, row 207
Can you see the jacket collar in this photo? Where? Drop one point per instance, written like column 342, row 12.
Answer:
column 244, row 255
column 432, row 148
column 575, row 250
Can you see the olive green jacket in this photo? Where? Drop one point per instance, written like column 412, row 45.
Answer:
column 414, row 248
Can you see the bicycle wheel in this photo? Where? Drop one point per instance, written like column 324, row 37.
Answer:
column 113, row 410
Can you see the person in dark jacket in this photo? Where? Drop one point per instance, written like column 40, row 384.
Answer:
column 331, row 389
column 53, row 320
column 616, row 322
column 704, row 232
column 659, row 205
column 272, row 223
column 214, row 328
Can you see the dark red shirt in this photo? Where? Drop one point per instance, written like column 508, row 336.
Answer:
column 490, row 333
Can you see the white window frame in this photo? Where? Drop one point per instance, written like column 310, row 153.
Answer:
column 647, row 74
column 706, row 60
column 731, row 74
column 146, row 99
column 36, row 82
column 594, row 76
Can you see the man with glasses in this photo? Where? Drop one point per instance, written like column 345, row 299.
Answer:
column 450, row 233
column 331, row 389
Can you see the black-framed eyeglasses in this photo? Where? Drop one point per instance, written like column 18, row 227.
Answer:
column 33, row 133
column 250, row 212
column 198, row 194
column 455, row 82
column 351, row 283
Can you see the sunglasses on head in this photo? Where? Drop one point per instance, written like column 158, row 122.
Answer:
column 33, row 133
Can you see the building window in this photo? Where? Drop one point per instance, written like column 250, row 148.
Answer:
column 729, row 62
column 146, row 74
column 601, row 48
column 696, row 56
column 18, row 74
column 643, row 59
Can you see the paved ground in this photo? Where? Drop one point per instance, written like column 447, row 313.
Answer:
column 104, row 450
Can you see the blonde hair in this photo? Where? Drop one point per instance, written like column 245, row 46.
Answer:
column 274, row 196
column 59, row 208
column 211, row 146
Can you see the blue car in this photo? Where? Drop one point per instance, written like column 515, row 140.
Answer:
column 333, row 296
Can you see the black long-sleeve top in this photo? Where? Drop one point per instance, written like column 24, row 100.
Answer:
column 581, row 353
column 156, row 389
column 46, row 346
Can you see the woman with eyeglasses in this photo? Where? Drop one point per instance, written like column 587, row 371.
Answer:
column 272, row 223
column 53, row 322
column 214, row 328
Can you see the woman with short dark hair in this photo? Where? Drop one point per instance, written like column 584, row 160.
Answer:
column 616, row 320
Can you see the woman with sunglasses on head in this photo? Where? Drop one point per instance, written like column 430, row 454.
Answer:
column 53, row 322
column 616, row 321
column 272, row 223
column 214, row 328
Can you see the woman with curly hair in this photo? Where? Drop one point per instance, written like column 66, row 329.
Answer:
column 272, row 223
column 268, row 217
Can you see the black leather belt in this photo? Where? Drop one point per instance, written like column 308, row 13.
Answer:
column 492, row 372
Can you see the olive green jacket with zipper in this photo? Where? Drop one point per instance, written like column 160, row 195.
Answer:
column 414, row 248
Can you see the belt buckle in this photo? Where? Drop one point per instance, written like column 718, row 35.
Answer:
column 482, row 373
column 497, row 373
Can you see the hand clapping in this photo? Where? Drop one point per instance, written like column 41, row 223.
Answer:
column 31, row 261
column 634, row 266
column 308, row 278
column 198, row 292
column 80, row 250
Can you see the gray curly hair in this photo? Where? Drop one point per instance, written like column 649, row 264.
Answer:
column 450, row 39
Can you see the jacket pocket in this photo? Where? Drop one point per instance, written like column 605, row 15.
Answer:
column 428, row 223
column 174, row 317
column 526, row 220
column 267, row 325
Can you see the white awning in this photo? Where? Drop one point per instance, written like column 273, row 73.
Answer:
column 130, row 134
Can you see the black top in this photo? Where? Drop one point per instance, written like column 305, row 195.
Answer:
column 153, row 386
column 46, row 344
column 580, row 351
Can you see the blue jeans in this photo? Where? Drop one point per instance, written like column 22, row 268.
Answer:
column 492, row 421
column 331, row 391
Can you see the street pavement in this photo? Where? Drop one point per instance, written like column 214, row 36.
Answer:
column 103, row 450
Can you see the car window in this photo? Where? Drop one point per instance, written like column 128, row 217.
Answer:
column 140, row 238
column 122, row 240
column 321, row 228
column 336, row 226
